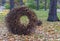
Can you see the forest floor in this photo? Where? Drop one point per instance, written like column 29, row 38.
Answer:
column 48, row 31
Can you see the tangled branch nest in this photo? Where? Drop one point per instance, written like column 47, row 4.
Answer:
column 13, row 21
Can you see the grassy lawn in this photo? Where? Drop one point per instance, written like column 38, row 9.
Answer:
column 43, row 15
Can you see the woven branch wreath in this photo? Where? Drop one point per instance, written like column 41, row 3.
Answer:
column 13, row 21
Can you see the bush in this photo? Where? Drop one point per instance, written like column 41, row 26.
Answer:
column 41, row 6
column 7, row 6
column 31, row 5
column 58, row 6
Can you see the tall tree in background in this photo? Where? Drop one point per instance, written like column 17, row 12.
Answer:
column 11, row 4
column 21, row 2
column 53, row 11
column 37, row 2
column 3, row 2
column 45, row 5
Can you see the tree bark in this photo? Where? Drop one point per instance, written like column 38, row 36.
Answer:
column 21, row 2
column 53, row 11
column 3, row 2
column 11, row 4
column 37, row 2
column 45, row 5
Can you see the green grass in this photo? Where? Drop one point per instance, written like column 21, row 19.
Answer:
column 41, row 14
column 24, row 20
column 2, row 18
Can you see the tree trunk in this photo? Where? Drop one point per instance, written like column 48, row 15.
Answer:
column 45, row 5
column 37, row 2
column 3, row 2
column 53, row 11
column 21, row 2
column 11, row 4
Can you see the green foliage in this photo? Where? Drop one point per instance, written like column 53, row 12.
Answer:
column 41, row 6
column 31, row 4
column 58, row 6
column 7, row 6
column 17, row 0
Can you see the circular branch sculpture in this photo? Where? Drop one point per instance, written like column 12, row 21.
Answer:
column 13, row 21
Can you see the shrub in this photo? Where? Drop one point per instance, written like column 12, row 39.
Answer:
column 31, row 5
column 7, row 6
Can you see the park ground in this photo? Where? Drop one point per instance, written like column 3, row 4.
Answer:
column 48, row 31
